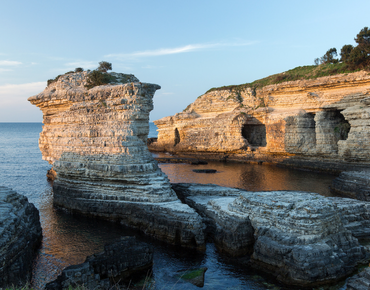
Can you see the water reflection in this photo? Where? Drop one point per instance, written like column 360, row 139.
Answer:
column 251, row 177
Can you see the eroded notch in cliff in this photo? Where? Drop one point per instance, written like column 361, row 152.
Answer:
column 255, row 134
column 177, row 137
column 342, row 128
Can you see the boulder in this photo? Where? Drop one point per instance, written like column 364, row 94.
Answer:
column 20, row 236
column 118, row 263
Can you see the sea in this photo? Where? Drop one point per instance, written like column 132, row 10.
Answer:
column 69, row 239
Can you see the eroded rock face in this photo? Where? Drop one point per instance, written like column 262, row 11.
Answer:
column 302, row 238
column 325, row 118
column 354, row 184
column 360, row 281
column 119, row 261
column 20, row 236
column 96, row 140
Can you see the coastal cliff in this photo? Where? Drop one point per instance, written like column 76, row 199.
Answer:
column 96, row 140
column 326, row 118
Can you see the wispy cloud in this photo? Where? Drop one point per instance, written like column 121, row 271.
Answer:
column 4, row 69
column 12, row 94
column 9, row 63
column 176, row 50
column 14, row 106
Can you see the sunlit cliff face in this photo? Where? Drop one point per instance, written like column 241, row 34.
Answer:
column 324, row 117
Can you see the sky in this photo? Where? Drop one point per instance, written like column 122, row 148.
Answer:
column 187, row 47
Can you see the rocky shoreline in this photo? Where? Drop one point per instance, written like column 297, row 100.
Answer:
column 96, row 140
column 20, row 237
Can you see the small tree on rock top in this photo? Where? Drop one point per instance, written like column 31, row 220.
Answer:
column 104, row 66
column 345, row 52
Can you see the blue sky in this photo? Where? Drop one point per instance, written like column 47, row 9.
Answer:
column 187, row 47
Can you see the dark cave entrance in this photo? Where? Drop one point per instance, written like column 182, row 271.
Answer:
column 342, row 126
column 255, row 134
column 177, row 137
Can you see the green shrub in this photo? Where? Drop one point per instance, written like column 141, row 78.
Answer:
column 79, row 69
column 97, row 78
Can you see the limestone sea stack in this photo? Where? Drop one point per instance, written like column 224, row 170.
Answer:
column 96, row 140
column 319, row 123
column 20, row 236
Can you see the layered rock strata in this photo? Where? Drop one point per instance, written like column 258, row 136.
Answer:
column 118, row 262
column 354, row 184
column 302, row 238
column 96, row 141
column 20, row 236
column 360, row 281
column 325, row 119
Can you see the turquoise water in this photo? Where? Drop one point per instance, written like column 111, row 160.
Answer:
column 68, row 239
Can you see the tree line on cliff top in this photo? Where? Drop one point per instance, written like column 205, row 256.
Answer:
column 357, row 57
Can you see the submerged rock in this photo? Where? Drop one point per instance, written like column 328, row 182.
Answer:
column 301, row 238
column 204, row 170
column 20, row 236
column 96, row 141
column 353, row 184
column 119, row 262
column 194, row 276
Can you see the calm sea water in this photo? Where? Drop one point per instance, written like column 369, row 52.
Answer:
column 68, row 239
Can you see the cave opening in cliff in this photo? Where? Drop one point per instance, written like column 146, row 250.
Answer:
column 255, row 134
column 342, row 126
column 177, row 137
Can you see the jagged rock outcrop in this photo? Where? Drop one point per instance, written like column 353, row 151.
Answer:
column 301, row 238
column 119, row 262
column 96, row 141
column 354, row 184
column 360, row 281
column 20, row 236
column 326, row 119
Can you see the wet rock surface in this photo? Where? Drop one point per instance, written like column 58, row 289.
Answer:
column 96, row 140
column 120, row 262
column 353, row 184
column 301, row 238
column 20, row 236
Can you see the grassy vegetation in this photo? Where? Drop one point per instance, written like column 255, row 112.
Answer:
column 298, row 73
